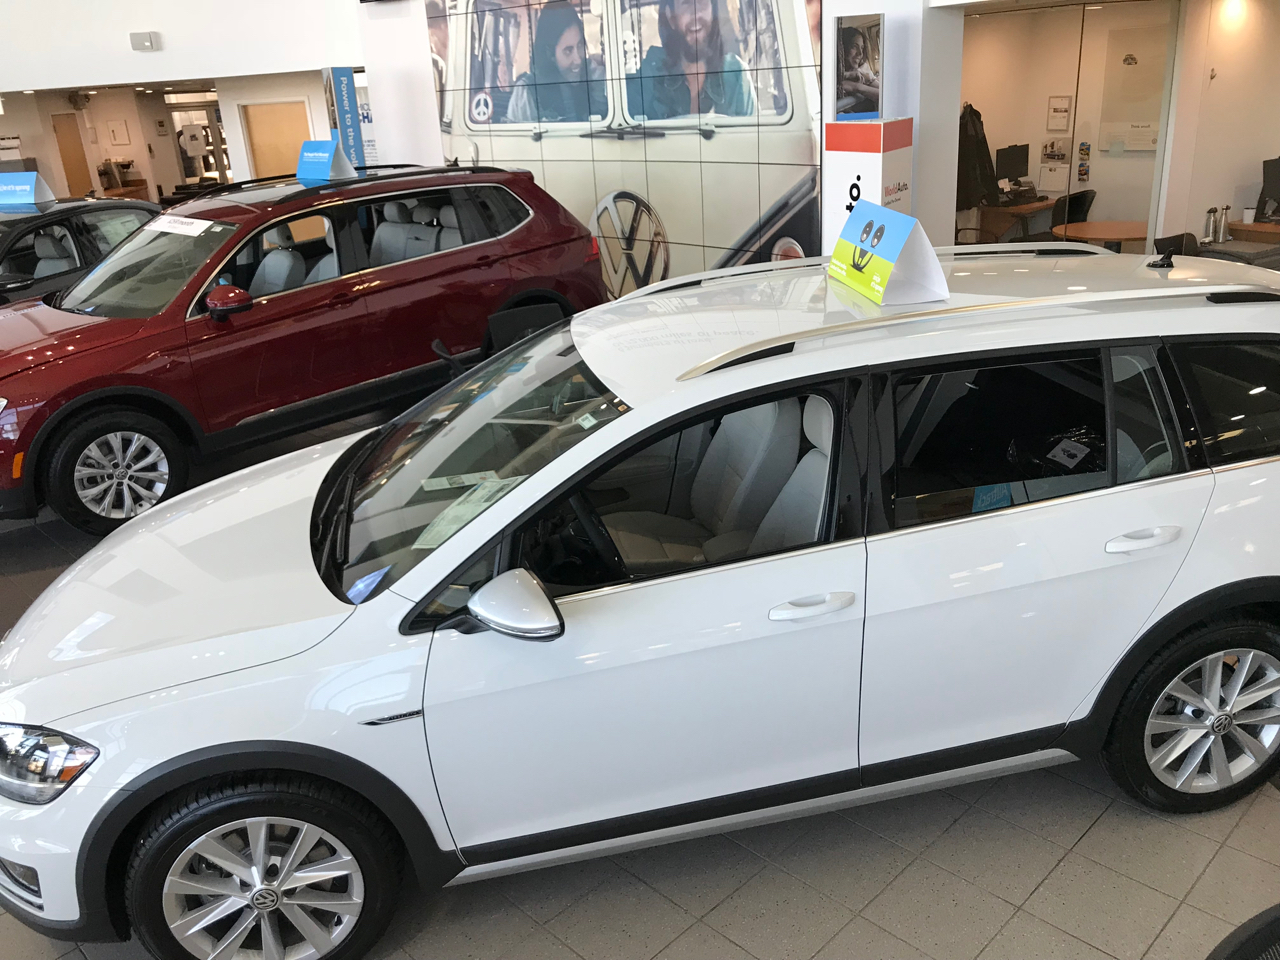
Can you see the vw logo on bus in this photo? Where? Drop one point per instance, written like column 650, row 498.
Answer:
column 632, row 240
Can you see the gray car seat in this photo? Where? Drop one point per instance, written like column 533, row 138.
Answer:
column 326, row 268
column 744, row 469
column 393, row 232
column 424, row 238
column 54, row 257
column 282, row 268
column 450, row 235
column 796, row 515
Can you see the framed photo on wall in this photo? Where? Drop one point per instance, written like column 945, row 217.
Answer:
column 859, row 67
column 119, row 133
column 1059, row 120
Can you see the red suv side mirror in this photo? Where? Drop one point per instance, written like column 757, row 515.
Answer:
column 225, row 299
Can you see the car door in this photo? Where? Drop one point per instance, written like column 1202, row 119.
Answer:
column 710, row 689
column 1040, row 507
column 306, row 335
column 435, row 271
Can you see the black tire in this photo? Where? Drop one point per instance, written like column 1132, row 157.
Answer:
column 185, row 818
column 1125, row 754
column 76, row 437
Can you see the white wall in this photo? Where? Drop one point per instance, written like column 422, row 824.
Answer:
column 152, row 155
column 1013, row 63
column 235, row 92
column 401, row 81
column 921, row 52
column 1224, row 125
column 27, row 116
column 71, row 43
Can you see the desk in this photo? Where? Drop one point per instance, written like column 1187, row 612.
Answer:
column 1110, row 233
column 998, row 220
column 1254, row 232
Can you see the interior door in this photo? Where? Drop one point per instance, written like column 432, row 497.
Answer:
column 71, row 151
column 1034, row 538
column 661, row 693
column 276, row 132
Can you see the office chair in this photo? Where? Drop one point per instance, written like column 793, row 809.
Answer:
column 1180, row 245
column 1071, row 208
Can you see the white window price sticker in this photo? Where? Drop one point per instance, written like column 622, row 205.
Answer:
column 463, row 510
column 188, row 226
column 458, row 480
column 586, row 421
column 1068, row 453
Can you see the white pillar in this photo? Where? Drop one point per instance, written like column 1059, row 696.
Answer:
column 402, row 96
column 922, row 50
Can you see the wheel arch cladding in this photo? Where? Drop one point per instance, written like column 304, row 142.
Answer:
column 1257, row 596
column 108, row 842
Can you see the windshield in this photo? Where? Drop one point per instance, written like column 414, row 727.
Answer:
column 143, row 275
column 447, row 461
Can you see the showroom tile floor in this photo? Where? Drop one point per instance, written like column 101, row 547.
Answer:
column 1048, row 864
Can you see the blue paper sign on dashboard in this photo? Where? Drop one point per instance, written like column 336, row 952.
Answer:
column 885, row 256
column 321, row 160
column 26, row 188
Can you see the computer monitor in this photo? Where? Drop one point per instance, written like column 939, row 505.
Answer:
column 1269, row 198
column 1011, row 161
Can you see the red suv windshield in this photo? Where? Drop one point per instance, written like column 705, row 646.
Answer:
column 143, row 275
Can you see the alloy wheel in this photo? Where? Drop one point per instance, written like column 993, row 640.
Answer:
column 263, row 889
column 1216, row 723
column 121, row 474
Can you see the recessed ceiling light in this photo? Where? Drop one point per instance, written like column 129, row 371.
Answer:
column 1257, row 390
column 148, row 91
column 1098, row 7
column 168, row 88
column 92, row 92
column 28, row 91
column 1077, row 288
column 138, row 88
column 213, row 89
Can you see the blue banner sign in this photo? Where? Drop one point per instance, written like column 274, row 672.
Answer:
column 321, row 160
column 347, row 112
column 23, row 189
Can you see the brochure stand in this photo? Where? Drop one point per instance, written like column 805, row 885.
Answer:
column 866, row 158
column 885, row 256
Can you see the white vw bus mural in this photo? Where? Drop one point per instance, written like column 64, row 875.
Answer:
column 683, row 132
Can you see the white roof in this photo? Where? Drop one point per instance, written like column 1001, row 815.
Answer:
column 642, row 344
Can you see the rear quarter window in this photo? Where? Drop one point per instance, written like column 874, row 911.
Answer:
column 1235, row 394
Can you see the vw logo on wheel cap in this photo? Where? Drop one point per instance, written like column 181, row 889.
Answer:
column 631, row 247
column 1222, row 723
column 264, row 898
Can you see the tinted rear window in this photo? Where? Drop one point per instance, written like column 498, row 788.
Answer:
column 1235, row 391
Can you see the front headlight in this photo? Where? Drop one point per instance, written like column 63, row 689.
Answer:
column 37, row 764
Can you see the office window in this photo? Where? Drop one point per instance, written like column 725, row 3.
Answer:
column 994, row 436
column 1235, row 393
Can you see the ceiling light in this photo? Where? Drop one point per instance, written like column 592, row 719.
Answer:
column 147, row 91
column 1257, row 390
column 28, row 91
column 137, row 88
column 168, row 88
column 92, row 92
column 1077, row 288
column 1238, row 416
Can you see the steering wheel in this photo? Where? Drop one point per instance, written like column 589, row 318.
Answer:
column 598, row 534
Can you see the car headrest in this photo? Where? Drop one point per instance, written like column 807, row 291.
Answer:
column 48, row 248
column 817, row 423
column 397, row 211
column 328, row 235
column 281, row 236
column 424, row 213
column 448, row 218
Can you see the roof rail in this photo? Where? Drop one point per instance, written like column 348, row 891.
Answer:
column 1051, row 249
column 241, row 184
column 736, row 355
column 319, row 188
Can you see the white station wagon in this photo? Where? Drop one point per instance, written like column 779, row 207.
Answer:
column 735, row 548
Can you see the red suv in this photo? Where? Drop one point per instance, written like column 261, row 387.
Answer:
column 260, row 309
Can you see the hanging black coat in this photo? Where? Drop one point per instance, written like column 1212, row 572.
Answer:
column 976, row 178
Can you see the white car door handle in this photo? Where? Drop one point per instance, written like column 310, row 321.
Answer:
column 815, row 606
column 1143, row 539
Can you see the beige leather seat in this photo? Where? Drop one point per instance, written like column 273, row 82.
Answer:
column 796, row 515
column 744, row 469
column 282, row 268
column 392, row 234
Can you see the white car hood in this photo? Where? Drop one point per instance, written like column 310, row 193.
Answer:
column 218, row 579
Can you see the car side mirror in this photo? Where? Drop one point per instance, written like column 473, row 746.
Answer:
column 225, row 299
column 516, row 604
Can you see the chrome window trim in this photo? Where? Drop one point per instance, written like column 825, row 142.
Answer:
column 1049, row 501
column 381, row 197
column 1243, row 464
column 708, row 569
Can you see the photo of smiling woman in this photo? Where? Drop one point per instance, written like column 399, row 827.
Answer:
column 858, row 68
column 565, row 84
